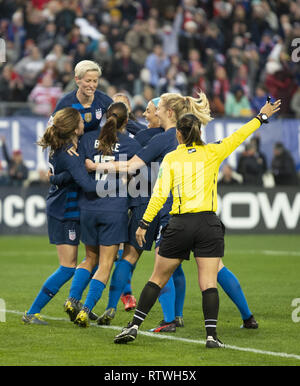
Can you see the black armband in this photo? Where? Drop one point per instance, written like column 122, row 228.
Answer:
column 144, row 224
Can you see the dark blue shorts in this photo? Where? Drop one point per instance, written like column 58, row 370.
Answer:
column 153, row 232
column 63, row 232
column 103, row 228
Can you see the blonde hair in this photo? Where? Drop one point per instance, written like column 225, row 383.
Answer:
column 84, row 66
column 188, row 105
column 62, row 129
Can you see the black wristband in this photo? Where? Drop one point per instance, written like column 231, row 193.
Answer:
column 144, row 224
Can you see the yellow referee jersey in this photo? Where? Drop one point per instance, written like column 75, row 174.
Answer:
column 191, row 174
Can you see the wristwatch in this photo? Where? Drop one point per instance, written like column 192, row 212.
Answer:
column 263, row 118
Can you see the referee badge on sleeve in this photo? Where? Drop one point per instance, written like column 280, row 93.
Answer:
column 72, row 234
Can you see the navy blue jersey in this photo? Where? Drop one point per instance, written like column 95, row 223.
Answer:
column 159, row 146
column 62, row 201
column 134, row 127
column 144, row 136
column 91, row 115
column 125, row 148
column 155, row 150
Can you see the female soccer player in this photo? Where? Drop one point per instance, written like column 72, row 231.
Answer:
column 104, row 217
column 190, row 173
column 156, row 149
column 171, row 107
column 62, row 204
column 90, row 102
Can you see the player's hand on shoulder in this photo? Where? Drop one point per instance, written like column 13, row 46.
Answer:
column 72, row 151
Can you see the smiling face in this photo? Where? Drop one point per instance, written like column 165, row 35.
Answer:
column 87, row 85
column 150, row 116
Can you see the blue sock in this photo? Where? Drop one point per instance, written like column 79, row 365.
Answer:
column 50, row 288
column 79, row 283
column 180, row 285
column 230, row 284
column 167, row 300
column 127, row 289
column 119, row 279
column 94, row 294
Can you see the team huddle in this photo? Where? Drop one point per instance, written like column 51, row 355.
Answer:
column 91, row 167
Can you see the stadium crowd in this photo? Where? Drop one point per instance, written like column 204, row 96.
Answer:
column 236, row 51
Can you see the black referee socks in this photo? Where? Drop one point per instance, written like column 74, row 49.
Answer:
column 210, row 307
column 147, row 299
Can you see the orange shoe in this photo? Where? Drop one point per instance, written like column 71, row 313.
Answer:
column 129, row 302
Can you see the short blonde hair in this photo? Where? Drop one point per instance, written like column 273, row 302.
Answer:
column 84, row 66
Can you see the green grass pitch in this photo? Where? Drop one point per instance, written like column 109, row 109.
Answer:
column 268, row 268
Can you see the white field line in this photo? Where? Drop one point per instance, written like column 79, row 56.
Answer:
column 178, row 339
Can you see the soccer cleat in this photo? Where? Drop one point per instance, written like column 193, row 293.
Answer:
column 179, row 321
column 250, row 323
column 82, row 319
column 165, row 327
column 33, row 319
column 128, row 334
column 212, row 342
column 72, row 307
column 93, row 316
column 106, row 317
column 129, row 302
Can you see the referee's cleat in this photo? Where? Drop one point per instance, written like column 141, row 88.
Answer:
column 129, row 302
column 72, row 307
column 106, row 317
column 33, row 319
column 250, row 323
column 128, row 334
column 82, row 319
column 165, row 327
column 212, row 342
column 179, row 321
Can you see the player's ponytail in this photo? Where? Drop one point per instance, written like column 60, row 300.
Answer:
column 188, row 105
column 61, row 131
column 116, row 120
column 190, row 128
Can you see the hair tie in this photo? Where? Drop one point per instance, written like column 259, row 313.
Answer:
column 114, row 115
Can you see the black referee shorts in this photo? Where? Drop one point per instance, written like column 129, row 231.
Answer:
column 202, row 233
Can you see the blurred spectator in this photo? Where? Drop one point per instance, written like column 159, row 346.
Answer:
column 237, row 104
column 280, row 84
column 251, row 166
column 65, row 18
column 124, row 69
column 29, row 67
column 104, row 57
column 283, row 166
column 16, row 169
column 189, row 38
column 44, row 96
column 196, row 73
column 140, row 41
column 4, row 180
column 157, row 63
column 227, row 178
column 259, row 99
column 220, row 89
column 11, row 86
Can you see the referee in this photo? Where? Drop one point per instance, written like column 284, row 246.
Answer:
column 190, row 172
